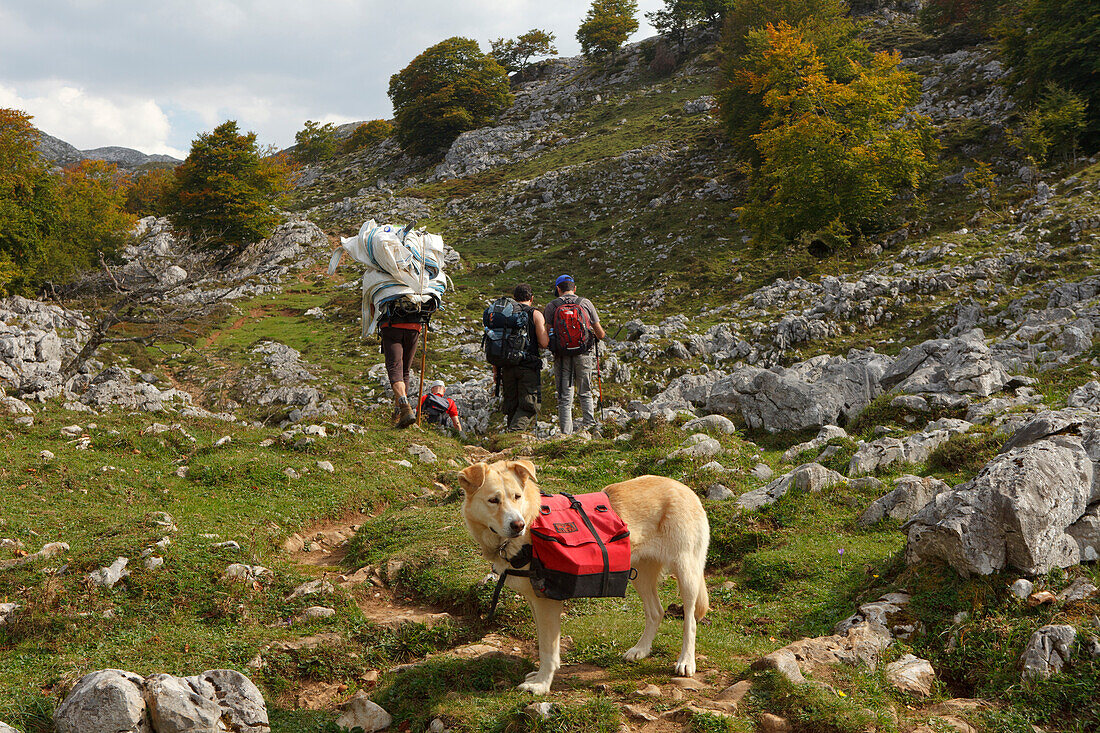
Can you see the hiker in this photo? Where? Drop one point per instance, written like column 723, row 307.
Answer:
column 515, row 331
column 400, row 335
column 574, row 329
column 439, row 409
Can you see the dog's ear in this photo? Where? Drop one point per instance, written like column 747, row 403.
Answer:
column 523, row 470
column 472, row 477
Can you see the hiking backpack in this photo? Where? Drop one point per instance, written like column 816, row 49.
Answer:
column 571, row 332
column 580, row 548
column 507, row 338
column 435, row 408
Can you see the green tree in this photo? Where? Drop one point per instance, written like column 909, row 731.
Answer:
column 677, row 16
column 315, row 142
column 368, row 133
column 515, row 54
column 976, row 17
column 91, row 223
column 28, row 202
column 607, row 26
column 1054, row 124
column 834, row 156
column 226, row 190
column 823, row 23
column 448, row 89
column 1055, row 41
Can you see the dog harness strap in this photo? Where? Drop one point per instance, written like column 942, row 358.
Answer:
column 523, row 557
column 579, row 509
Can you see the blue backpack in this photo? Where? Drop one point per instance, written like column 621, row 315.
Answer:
column 507, row 338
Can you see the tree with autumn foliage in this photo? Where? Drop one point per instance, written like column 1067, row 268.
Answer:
column 834, row 155
column 147, row 192
column 448, row 89
column 28, row 202
column 607, row 26
column 367, row 134
column 226, row 191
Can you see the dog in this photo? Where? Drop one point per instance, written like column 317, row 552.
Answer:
column 668, row 531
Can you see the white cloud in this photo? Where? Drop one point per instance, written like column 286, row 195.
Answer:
column 88, row 121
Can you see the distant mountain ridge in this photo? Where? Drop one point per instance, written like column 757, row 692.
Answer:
column 63, row 154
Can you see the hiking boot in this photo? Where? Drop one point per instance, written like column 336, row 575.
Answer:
column 406, row 416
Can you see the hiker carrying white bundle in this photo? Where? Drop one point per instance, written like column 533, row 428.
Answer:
column 403, row 286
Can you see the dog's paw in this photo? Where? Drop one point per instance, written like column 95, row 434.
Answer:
column 635, row 653
column 685, row 668
column 535, row 687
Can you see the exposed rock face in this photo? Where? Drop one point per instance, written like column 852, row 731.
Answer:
column 364, row 713
column 909, row 496
column 35, row 340
column 807, row 477
column 281, row 377
column 821, row 391
column 710, row 423
column 114, row 386
column 114, row 701
column 1048, row 651
column 1013, row 514
column 961, row 365
column 1086, row 532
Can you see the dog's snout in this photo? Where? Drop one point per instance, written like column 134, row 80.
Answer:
column 516, row 526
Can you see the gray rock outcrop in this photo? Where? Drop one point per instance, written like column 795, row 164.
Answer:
column 107, row 701
column 960, row 365
column 1086, row 532
column 811, row 477
column 878, row 454
column 911, row 674
column 1014, row 513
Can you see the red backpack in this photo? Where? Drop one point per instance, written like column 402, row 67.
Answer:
column 571, row 332
column 580, row 548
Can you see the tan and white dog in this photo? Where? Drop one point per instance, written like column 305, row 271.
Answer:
column 668, row 531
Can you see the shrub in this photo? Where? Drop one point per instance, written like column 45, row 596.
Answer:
column 226, row 190
column 607, row 26
column 448, row 89
column 1054, row 124
column 315, row 142
column 664, row 61
column 516, row 53
column 367, row 134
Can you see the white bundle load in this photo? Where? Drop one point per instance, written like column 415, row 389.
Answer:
column 402, row 265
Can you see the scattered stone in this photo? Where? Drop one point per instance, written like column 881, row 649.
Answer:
column 436, row 726
column 107, row 701
column 224, row 440
column 827, row 433
column 1043, row 596
column 165, row 520
column 649, row 690
column 698, row 445
column 770, row 723
column 1022, row 588
column 784, row 662
column 763, row 472
column 45, row 456
column 292, row 474
column 736, row 692
column 423, row 452
column 312, row 588
column 1078, row 590
column 710, row 423
column 231, row 545
column 637, row 713
column 49, row 550
column 539, row 711
column 153, row 562
column 1048, row 651
column 811, row 477
column 5, row 728
column 314, row 613
column 109, row 576
column 912, row 675
column 8, row 611
column 72, row 431
column 403, row 463
column 247, row 573
column 364, row 713
column 1086, row 532
column 718, row 492
column 326, row 466
column 688, row 683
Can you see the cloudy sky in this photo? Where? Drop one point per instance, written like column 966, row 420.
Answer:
column 151, row 74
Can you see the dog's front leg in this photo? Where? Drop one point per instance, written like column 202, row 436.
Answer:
column 547, row 614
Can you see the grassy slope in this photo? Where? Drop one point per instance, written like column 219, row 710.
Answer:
column 776, row 575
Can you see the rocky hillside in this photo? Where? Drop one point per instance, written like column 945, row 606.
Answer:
column 897, row 446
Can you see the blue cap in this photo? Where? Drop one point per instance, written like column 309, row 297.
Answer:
column 562, row 280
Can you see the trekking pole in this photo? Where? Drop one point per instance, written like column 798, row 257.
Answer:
column 599, row 381
column 423, row 371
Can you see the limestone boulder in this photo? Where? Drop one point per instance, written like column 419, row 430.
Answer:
column 909, row 496
column 1014, row 513
column 812, row 477
column 916, row 448
column 911, row 674
column 364, row 713
column 960, row 365
column 107, row 701
column 1086, row 532
column 1048, row 651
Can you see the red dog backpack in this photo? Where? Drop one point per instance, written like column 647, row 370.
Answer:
column 580, row 548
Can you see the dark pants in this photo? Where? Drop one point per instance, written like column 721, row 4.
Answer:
column 522, row 390
column 399, row 348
